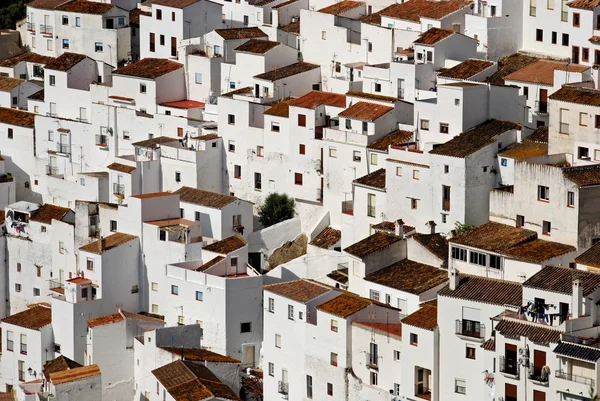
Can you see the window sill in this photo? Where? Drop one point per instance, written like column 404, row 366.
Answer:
column 544, row 200
column 571, row 206
column 414, row 345
column 547, row 235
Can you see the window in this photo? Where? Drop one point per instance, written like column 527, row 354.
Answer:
column 330, row 389
column 275, row 127
column 583, row 119
column 174, row 290
column 457, row 102
column 550, row 4
column 9, row 341
column 309, row 386
column 459, row 253
column 51, row 80
column 291, row 312
column 377, row 87
column 18, row 267
column 546, row 227
column 396, row 389
column 565, row 39
column 323, row 35
column 365, row 125
column 446, row 169
column 554, row 37
column 333, row 152
column 583, row 153
column 177, row 176
column 84, row 293
column 38, row 271
column 271, row 305
column 65, row 43
column 298, row 178
column 571, row 199
column 425, row 125
column 21, row 368
column 495, row 261
column 348, row 124
column 444, row 128
column 414, row 339
column 142, row 88
column 90, row 264
column 65, row 20
column 278, row 340
column 370, row 47
column 520, row 220
column 576, row 20
column 99, row 47
column 113, row 226
column 470, row 352
column 585, row 54
column 503, row 162
column 356, row 156
column 301, row 120
column 333, row 359
column 477, row 258
column 237, row 171
column 271, row 369
column 17, row 287
column 231, row 119
column 231, row 146
column 154, row 308
column 154, row 286
column 159, row 14
column 36, row 292
column 173, row 16
column 374, row 295
column 334, row 325
column 543, row 193
column 399, row 171
column 396, row 355
column 539, row 35
column 23, row 344
column 246, row 327
column 373, row 159
column 302, row 149
column 460, row 386
column 413, row 204
column 532, row 8
column 180, row 320
column 416, row 174
column 373, row 379
column 135, row 289
column 199, row 296
column 234, row 261
column 300, row 315
column 61, row 247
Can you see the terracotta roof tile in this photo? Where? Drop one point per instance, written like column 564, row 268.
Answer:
column 287, row 71
column 173, row 374
column 105, row 320
column 373, row 18
column 8, row 84
column 409, row 276
column 123, row 168
column 539, row 135
column 33, row 318
column 583, row 176
column 584, row 4
column 292, row 27
column 285, row 3
column 199, row 354
column 65, row 61
column 365, row 111
column 390, row 227
column 30, row 57
column 577, row 351
column 341, row 7
column 494, row 237
column 9, row 396
column 142, row 317
column 108, row 243
column 591, row 257
column 175, row 3
column 185, row 104
column 433, row 35
column 577, row 94
column 204, row 198
column 280, row 109
column 424, row 318
column 86, row 7
column 376, row 179
column 413, row 10
column 227, row 245
column 71, row 375
column 241, row 33
column 534, row 332
column 525, row 150
column 508, row 65
column 257, row 46
column 17, row 117
column 434, row 243
column 474, row 139
column 594, row 39
column 371, row 244
column 542, row 71
column 59, row 364
column 538, row 250
column 467, row 69
column 39, row 96
column 149, row 68
column 341, row 276
column 207, row 137
column 210, row 263
column 396, row 138
column 48, row 212
column 393, row 329
column 489, row 345
column 134, row 16
column 327, row 238
column 302, row 290
column 2, row 216
column 344, row 305
column 485, row 290
column 314, row 99
column 560, row 279
column 153, row 195
column 154, row 143
column 45, row 4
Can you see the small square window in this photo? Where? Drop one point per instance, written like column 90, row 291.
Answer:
column 416, row 174
column 113, row 226
column 444, row 128
column 199, row 296
column 333, row 359
column 135, row 289
column 546, row 227
column 470, row 352
column 65, row 43
column 275, row 127
column 278, row 340
column 446, row 169
column 17, row 287
column 271, row 369
column 174, row 290
column 399, row 171
column 378, row 88
column 65, row 20
column 99, row 47
column 302, row 149
column 237, row 172
column 333, row 152
column 334, row 325
column 36, row 292
column 425, row 125
column 260, row 151
column 414, row 339
column 460, row 386
column 457, row 102
column 142, row 88
column 231, row 146
column 246, row 327
column 298, row 178
column 503, row 162
column 154, row 286
column 231, row 119
column 520, row 221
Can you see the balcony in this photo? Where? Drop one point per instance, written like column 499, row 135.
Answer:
column 372, row 361
column 422, row 392
column 118, row 189
column 31, row 27
column 56, row 287
column 539, row 375
column 509, row 367
column 470, row 329
column 319, row 166
column 63, row 148
column 51, row 170
column 587, row 381
column 371, row 211
column 6, row 178
column 541, row 107
column 283, row 388
column 348, row 207
column 46, row 29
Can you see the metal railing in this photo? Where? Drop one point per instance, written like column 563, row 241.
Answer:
column 535, row 374
column 283, row 387
column 541, row 107
column 31, row 26
column 348, row 207
column 509, row 366
column 372, row 361
column 51, row 170
column 370, row 211
column 63, row 148
column 469, row 328
column 588, row 381
column 422, row 391
column 52, row 284
column 118, row 189
column 49, row 29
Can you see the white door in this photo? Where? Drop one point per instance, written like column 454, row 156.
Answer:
column 248, row 355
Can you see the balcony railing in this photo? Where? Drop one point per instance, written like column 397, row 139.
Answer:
column 372, row 361
column 118, row 189
column 51, row 170
column 509, row 366
column 588, row 381
column 31, row 26
column 422, row 391
column 370, row 211
column 537, row 374
column 283, row 388
column 63, row 148
column 46, row 29
column 348, row 207
column 468, row 328
column 541, row 107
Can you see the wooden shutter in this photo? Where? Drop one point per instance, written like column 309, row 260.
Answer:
column 510, row 390
column 301, row 120
column 539, row 359
column 539, row 395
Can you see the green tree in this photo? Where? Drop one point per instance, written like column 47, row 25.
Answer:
column 460, row 228
column 11, row 11
column 276, row 208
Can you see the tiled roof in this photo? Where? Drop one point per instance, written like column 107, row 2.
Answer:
column 59, row 364
column 204, row 198
column 292, row 27
column 434, row 243
column 257, row 46
column 494, row 237
column 584, row 4
column 48, row 212
column 538, row 250
column 45, row 4
column 241, row 91
column 577, row 94
column 7, row 84
column 33, row 318
column 467, row 69
column 365, row 111
column 263, row 3
column 240, row 33
column 302, row 290
column 153, row 195
column 65, row 61
column 227, row 245
column 390, row 227
column 30, row 57
column 154, row 143
column 207, row 137
column 8, row 396
column 17, row 117
column 104, row 320
column 344, row 305
column 373, row 243
column 560, row 279
column 525, row 150
column 210, row 263
column 280, row 109
column 285, row 3
column 396, row 138
column 199, row 354
column 108, row 243
column 409, row 276
column 534, row 332
column 542, row 71
column 85, row 7
column 485, row 290
column 539, row 135
column 577, row 351
column 373, row 18
column 424, row 318
column 433, row 35
column 134, row 16
column 185, row 104
column 475, row 138
column 149, row 68
column 122, row 168
column 376, row 179
column 341, row 7
column 287, row 71
column 413, row 10
column 393, row 329
column 327, row 238
column 489, row 345
column 142, row 317
column 591, row 257
column 508, row 65
column 583, row 176
column 594, row 39
column 71, row 375
column 341, row 276
column 39, row 96
column 175, row 3
column 314, row 99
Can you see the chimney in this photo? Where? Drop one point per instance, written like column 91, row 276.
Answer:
column 399, row 228
column 453, row 274
column 431, row 225
column 577, row 300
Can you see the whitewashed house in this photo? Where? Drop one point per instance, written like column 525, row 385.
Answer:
column 27, row 65
column 84, row 383
column 14, row 92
